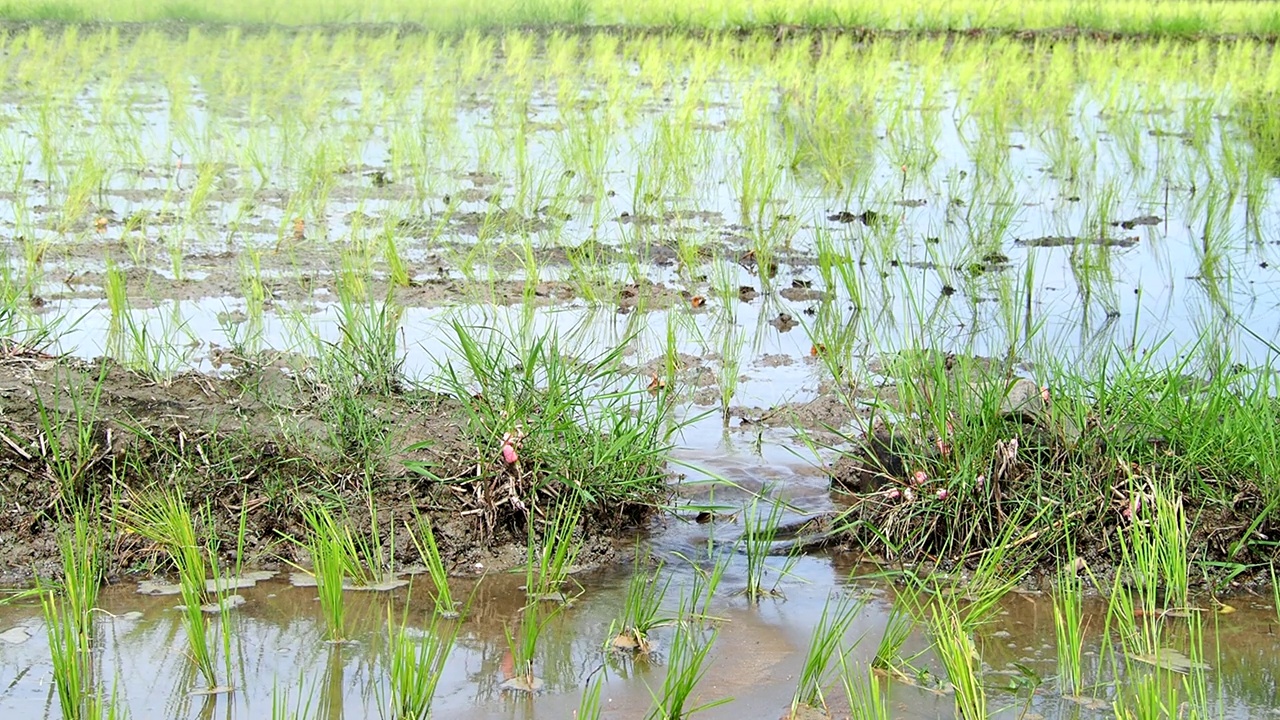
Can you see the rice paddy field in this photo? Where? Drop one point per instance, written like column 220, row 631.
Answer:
column 596, row 359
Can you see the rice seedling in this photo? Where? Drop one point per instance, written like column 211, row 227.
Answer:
column 1069, row 628
column 522, row 644
column 551, row 558
column 1155, row 548
column 825, row 644
column 687, row 660
column 414, row 664
column 338, row 557
column 641, row 608
column 68, row 615
column 303, row 707
column 425, row 542
column 705, row 583
column 589, row 705
column 759, row 529
column 728, row 373
column 168, row 521
column 867, row 700
column 954, row 647
column 901, row 622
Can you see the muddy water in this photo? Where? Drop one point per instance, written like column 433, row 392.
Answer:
column 756, row 656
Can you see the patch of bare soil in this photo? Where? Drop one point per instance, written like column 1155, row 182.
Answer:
column 265, row 442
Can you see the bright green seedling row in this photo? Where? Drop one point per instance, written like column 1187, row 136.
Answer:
column 1157, row 17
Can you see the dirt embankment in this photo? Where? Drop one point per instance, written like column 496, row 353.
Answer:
column 1043, row 498
column 264, row 442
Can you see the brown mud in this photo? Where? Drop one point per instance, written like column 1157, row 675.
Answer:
column 264, row 442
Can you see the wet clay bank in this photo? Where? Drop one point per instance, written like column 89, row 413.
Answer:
column 1034, row 476
column 262, row 444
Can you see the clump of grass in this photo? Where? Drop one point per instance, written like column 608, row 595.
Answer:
column 369, row 351
column 553, row 429
column 69, row 439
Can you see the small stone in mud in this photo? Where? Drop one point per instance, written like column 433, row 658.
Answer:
column 802, row 294
column 783, row 322
column 866, row 217
column 625, row 642
column 522, row 684
column 303, row 579
column 15, row 636
column 1051, row 241
column 1140, row 220
column 228, row 603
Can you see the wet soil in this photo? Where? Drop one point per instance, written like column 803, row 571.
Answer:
column 263, row 441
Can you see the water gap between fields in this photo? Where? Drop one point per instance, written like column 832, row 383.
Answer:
column 756, row 656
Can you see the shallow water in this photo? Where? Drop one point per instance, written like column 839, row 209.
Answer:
column 1208, row 266
column 755, row 660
